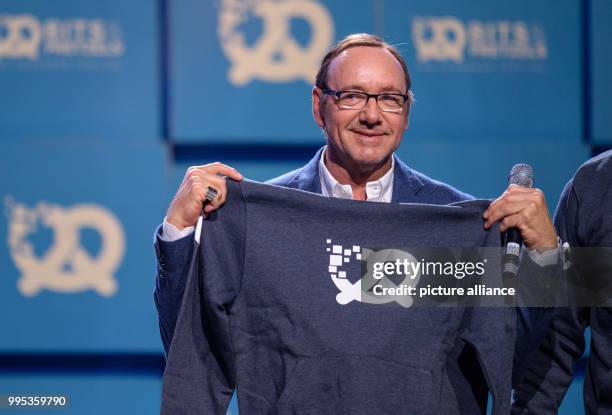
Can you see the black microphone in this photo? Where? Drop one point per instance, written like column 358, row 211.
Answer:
column 521, row 175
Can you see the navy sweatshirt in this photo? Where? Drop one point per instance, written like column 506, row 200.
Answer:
column 261, row 314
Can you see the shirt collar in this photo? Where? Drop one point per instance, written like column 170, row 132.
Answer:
column 376, row 191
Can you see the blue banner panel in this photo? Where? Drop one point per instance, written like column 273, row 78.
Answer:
column 482, row 68
column 75, row 69
column 76, row 253
column 601, row 72
column 86, row 393
column 243, row 71
column 482, row 168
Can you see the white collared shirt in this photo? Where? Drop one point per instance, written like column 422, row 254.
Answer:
column 380, row 190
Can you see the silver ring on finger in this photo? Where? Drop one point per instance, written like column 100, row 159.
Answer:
column 211, row 193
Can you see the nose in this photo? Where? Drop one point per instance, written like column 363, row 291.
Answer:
column 370, row 114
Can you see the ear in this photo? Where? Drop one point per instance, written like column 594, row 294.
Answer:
column 317, row 113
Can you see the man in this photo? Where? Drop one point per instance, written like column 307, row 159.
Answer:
column 361, row 101
column 583, row 219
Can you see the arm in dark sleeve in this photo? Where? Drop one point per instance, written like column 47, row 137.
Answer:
column 199, row 376
column 550, row 370
column 532, row 325
column 540, row 288
column 173, row 260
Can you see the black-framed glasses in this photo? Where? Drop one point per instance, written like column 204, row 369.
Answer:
column 356, row 100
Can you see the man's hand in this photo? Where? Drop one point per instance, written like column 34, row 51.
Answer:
column 525, row 209
column 187, row 203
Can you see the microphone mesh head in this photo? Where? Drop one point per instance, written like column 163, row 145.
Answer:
column 521, row 175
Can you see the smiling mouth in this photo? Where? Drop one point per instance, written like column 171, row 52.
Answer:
column 370, row 134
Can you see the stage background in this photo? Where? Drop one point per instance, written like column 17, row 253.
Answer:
column 103, row 106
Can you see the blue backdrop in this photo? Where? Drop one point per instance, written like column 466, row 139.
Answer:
column 104, row 105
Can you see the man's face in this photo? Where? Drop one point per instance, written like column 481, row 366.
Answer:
column 365, row 138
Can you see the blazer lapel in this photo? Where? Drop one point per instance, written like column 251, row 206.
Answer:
column 406, row 184
column 308, row 178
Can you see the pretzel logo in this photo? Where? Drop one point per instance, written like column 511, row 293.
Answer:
column 20, row 36
column 275, row 56
column 439, row 38
column 363, row 289
column 66, row 266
